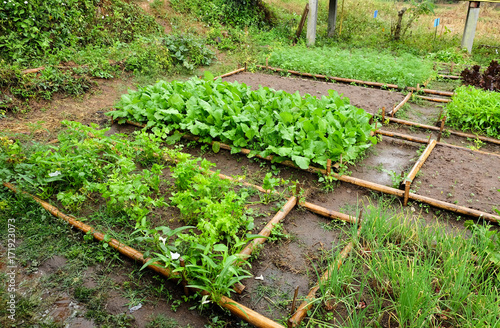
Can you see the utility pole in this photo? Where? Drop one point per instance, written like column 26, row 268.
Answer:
column 332, row 18
column 470, row 25
column 311, row 22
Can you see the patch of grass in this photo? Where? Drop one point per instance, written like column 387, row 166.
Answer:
column 404, row 273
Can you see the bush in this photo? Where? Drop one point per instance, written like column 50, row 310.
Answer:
column 188, row 51
column 33, row 28
column 229, row 12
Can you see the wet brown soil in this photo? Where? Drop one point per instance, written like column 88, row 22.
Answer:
column 370, row 99
column 463, row 177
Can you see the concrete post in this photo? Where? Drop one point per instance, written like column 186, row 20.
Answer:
column 332, row 17
column 470, row 25
column 311, row 22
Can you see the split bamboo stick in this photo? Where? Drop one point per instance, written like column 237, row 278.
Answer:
column 237, row 309
column 266, row 231
column 230, row 73
column 441, row 100
column 435, row 128
column 401, row 104
column 297, row 318
column 328, row 213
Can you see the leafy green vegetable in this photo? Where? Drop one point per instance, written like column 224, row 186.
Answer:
column 475, row 110
column 304, row 129
column 365, row 64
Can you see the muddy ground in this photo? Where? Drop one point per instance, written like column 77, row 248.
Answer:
column 286, row 264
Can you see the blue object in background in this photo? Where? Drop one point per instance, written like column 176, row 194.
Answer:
column 436, row 22
column 375, row 14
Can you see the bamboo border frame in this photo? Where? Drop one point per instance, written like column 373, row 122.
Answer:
column 344, row 80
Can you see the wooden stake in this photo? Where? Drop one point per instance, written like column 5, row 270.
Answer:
column 329, row 165
column 407, row 192
column 441, row 128
column 383, row 115
column 184, row 280
column 292, row 311
column 245, row 67
column 301, row 25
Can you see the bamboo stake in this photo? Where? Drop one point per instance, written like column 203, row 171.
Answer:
column 297, row 318
column 292, row 310
column 328, row 213
column 266, row 231
column 230, row 73
column 398, row 107
column 441, row 128
column 441, row 100
column 237, row 309
column 413, row 172
column 328, row 166
column 457, row 133
column 383, row 114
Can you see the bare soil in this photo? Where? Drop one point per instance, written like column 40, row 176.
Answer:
column 370, row 99
column 463, row 177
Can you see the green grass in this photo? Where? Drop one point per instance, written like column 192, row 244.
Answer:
column 475, row 110
column 413, row 276
column 365, row 64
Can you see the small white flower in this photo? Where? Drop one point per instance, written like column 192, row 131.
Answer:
column 261, row 277
column 102, row 17
column 55, row 174
column 175, row 256
column 25, row 2
column 163, row 240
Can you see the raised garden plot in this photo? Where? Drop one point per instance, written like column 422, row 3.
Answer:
column 305, row 129
column 370, row 99
column 463, row 177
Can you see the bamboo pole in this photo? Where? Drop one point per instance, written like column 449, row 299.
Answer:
column 413, row 172
column 237, row 309
column 339, row 79
column 328, row 213
column 432, row 92
column 401, row 104
column 424, row 141
column 247, row 314
column 230, row 73
column 33, row 70
column 451, row 77
column 266, row 231
column 306, row 305
column 435, row 128
column 120, row 247
column 441, row 100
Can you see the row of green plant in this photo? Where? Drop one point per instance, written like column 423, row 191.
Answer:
column 475, row 110
column 89, row 165
column 411, row 275
column 304, row 129
column 364, row 64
